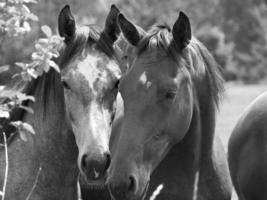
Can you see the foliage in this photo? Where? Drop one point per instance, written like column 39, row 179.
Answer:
column 15, row 16
column 45, row 50
column 245, row 24
column 215, row 40
column 11, row 100
column 14, row 21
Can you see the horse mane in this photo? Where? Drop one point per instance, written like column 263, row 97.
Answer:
column 160, row 37
column 44, row 84
column 50, row 82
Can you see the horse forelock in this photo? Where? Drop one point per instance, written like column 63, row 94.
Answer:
column 86, row 37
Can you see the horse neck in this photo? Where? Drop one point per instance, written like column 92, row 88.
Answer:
column 49, row 115
column 207, row 116
column 51, row 152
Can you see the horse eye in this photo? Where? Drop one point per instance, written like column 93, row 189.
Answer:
column 158, row 136
column 116, row 86
column 125, row 57
column 65, row 85
column 170, row 95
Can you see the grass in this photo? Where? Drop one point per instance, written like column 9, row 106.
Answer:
column 237, row 98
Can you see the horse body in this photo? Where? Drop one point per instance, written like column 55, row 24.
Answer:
column 166, row 135
column 247, row 151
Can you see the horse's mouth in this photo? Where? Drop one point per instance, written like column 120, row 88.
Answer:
column 98, row 184
column 142, row 196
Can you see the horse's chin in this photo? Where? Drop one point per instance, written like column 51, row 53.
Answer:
column 99, row 184
column 141, row 197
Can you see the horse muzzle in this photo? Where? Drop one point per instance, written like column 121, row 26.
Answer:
column 126, row 190
column 94, row 168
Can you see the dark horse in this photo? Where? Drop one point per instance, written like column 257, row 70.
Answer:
column 166, row 135
column 73, row 114
column 247, row 152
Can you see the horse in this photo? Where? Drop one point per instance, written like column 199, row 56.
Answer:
column 73, row 114
column 166, row 137
column 247, row 151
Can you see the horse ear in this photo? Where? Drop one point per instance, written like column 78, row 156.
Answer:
column 112, row 28
column 132, row 33
column 182, row 31
column 66, row 24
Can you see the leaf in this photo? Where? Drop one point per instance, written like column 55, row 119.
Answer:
column 2, row 87
column 32, row 73
column 21, row 65
column 30, row 1
column 16, row 123
column 2, row 4
column 4, row 114
column 26, row 8
column 28, row 128
column 54, row 65
column 28, row 109
column 26, row 26
column 4, row 68
column 47, row 31
column 23, row 129
column 36, row 56
column 43, row 41
column 8, row 93
column 24, row 97
column 26, row 76
column 32, row 17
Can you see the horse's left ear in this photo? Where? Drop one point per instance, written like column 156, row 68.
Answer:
column 66, row 24
column 182, row 31
column 132, row 33
column 112, row 28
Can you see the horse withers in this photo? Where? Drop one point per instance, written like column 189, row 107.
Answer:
column 247, row 152
column 166, row 136
column 73, row 114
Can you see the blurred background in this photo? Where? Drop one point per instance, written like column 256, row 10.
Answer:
column 235, row 31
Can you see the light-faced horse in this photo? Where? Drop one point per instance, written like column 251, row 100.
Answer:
column 247, row 151
column 73, row 113
column 166, row 135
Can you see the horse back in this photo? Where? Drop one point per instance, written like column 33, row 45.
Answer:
column 247, row 151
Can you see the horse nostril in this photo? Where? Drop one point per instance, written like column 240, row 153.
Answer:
column 132, row 184
column 108, row 161
column 95, row 167
column 84, row 162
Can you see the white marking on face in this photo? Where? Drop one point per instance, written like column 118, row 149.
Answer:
column 89, row 68
column 143, row 79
